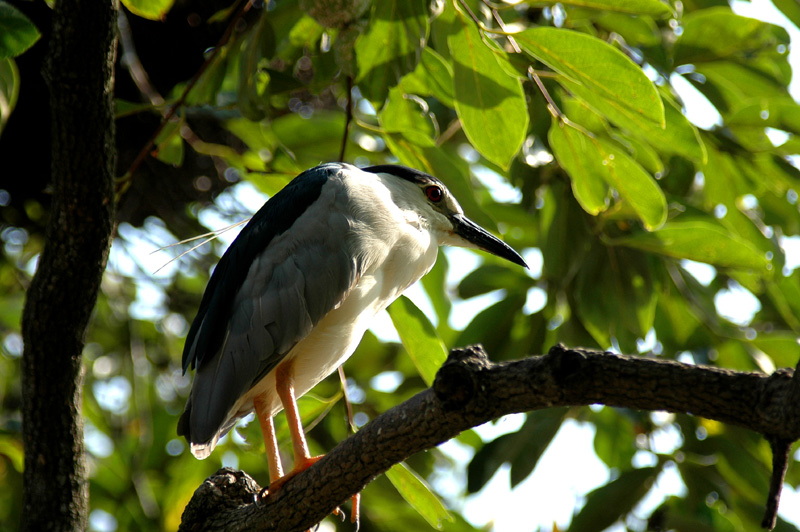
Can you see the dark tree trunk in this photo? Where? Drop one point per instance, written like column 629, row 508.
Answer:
column 79, row 73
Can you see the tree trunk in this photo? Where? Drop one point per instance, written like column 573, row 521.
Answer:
column 79, row 72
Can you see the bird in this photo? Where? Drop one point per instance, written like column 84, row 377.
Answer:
column 292, row 296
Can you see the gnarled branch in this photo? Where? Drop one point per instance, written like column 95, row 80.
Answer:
column 470, row 390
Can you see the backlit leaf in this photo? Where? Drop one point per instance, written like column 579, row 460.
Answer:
column 418, row 337
column 392, row 45
column 149, row 9
column 597, row 66
column 489, row 102
column 419, row 495
column 699, row 241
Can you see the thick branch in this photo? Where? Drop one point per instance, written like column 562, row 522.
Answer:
column 470, row 390
column 63, row 292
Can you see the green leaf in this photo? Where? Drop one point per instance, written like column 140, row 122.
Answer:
column 149, row 9
column 591, row 162
column 433, row 76
column 634, row 184
column 579, row 157
column 391, row 46
column 615, row 437
column 700, row 241
column 656, row 8
column 615, row 296
column 418, row 494
column 782, row 347
column 418, row 337
column 522, row 449
column 678, row 136
column 489, row 102
column 17, row 32
column 409, row 116
column 254, row 80
column 169, row 143
column 490, row 277
column 598, row 67
column 637, row 31
column 605, row 505
column 9, row 89
column 790, row 8
column 718, row 33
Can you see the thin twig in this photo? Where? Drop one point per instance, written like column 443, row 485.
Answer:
column 551, row 105
column 347, row 404
column 348, row 116
column 502, row 24
column 125, row 181
column 780, row 463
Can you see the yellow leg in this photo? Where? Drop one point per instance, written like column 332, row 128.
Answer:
column 270, row 440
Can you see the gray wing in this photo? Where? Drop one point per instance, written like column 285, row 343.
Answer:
column 301, row 275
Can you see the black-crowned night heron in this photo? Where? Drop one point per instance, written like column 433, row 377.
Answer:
column 291, row 298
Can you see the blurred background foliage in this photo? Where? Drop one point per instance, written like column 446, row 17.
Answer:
column 563, row 126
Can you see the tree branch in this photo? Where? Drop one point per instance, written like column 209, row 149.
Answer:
column 470, row 390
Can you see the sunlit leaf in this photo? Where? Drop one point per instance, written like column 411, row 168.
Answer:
column 597, row 66
column 418, row 337
column 391, row 46
column 579, row 157
column 489, row 102
column 150, row 9
column 716, row 33
column 678, row 136
column 699, row 241
column 419, row 495
column 655, row 8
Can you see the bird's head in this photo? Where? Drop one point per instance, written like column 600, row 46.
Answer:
column 433, row 201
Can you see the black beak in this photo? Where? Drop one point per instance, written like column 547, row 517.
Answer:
column 474, row 233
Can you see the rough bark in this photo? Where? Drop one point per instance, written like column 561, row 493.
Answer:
column 470, row 390
column 78, row 70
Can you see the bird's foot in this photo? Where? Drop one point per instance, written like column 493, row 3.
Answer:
column 355, row 513
column 301, row 465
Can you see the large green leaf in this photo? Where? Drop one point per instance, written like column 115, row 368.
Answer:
column 419, row 495
column 700, row 241
column 392, row 45
column 717, row 33
column 17, row 32
column 608, row 503
column 418, row 337
column 655, row 8
column 489, row 102
column 150, row 9
column 597, row 66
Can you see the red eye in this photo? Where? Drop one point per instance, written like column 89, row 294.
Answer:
column 434, row 193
